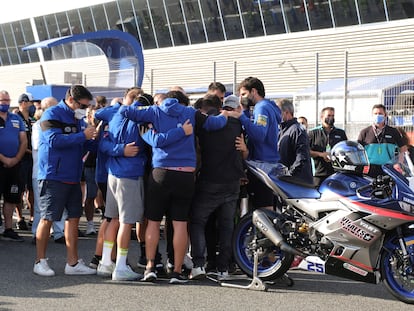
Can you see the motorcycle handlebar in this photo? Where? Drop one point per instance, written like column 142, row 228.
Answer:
column 380, row 188
column 361, row 189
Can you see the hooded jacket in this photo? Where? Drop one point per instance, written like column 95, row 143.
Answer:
column 61, row 145
column 262, row 134
column 105, row 115
column 179, row 149
column 123, row 131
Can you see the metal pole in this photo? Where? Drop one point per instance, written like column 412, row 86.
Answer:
column 345, row 87
column 234, row 77
column 317, row 89
column 214, row 71
column 152, row 81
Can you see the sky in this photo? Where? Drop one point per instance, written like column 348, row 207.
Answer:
column 20, row 9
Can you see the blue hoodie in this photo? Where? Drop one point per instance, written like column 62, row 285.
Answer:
column 61, row 145
column 105, row 115
column 121, row 132
column 263, row 133
column 178, row 150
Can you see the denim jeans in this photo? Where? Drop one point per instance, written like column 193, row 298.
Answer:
column 211, row 197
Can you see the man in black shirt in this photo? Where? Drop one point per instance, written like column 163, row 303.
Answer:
column 322, row 139
column 381, row 141
column 217, row 187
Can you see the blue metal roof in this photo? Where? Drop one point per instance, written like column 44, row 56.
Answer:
column 119, row 47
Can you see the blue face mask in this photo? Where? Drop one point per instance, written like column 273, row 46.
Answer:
column 378, row 118
column 4, row 108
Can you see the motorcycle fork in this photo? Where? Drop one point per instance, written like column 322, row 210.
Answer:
column 405, row 256
column 402, row 243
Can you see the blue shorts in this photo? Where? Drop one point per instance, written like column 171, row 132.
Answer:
column 56, row 196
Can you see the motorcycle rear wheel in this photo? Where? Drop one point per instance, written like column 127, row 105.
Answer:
column 398, row 279
column 272, row 262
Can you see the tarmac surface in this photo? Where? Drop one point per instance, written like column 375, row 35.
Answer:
column 20, row 289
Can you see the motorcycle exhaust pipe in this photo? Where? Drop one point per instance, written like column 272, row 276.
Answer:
column 263, row 223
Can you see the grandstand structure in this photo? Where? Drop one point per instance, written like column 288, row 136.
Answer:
column 291, row 45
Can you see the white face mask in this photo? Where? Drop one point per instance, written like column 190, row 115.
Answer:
column 80, row 114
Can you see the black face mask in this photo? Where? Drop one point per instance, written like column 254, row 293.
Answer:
column 32, row 110
column 246, row 102
column 330, row 121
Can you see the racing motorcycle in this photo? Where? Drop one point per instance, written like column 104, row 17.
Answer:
column 352, row 226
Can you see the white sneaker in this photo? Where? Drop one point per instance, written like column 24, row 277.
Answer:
column 42, row 268
column 188, row 262
column 197, row 273
column 90, row 229
column 79, row 269
column 125, row 274
column 105, row 270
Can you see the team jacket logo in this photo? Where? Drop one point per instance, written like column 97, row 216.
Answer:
column 357, row 230
column 15, row 123
column 262, row 120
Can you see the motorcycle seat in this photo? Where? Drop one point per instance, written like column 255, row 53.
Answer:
column 296, row 181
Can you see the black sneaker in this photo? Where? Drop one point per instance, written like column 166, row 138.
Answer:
column 169, row 267
column 10, row 235
column 177, row 278
column 142, row 262
column 160, row 270
column 21, row 225
column 95, row 262
column 211, row 267
column 149, row 275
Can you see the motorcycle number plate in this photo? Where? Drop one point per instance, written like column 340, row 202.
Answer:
column 313, row 263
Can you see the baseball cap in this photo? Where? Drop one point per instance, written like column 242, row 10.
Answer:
column 231, row 101
column 25, row 97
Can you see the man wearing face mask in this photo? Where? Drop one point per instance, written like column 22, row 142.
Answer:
column 12, row 149
column 380, row 141
column 26, row 112
column 262, row 129
column 62, row 142
column 294, row 144
column 321, row 140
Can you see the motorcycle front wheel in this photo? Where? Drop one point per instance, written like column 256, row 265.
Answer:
column 398, row 275
column 272, row 262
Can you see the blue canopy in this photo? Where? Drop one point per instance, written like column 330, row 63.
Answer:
column 122, row 50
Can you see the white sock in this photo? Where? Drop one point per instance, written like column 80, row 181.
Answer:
column 106, row 253
column 121, row 258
